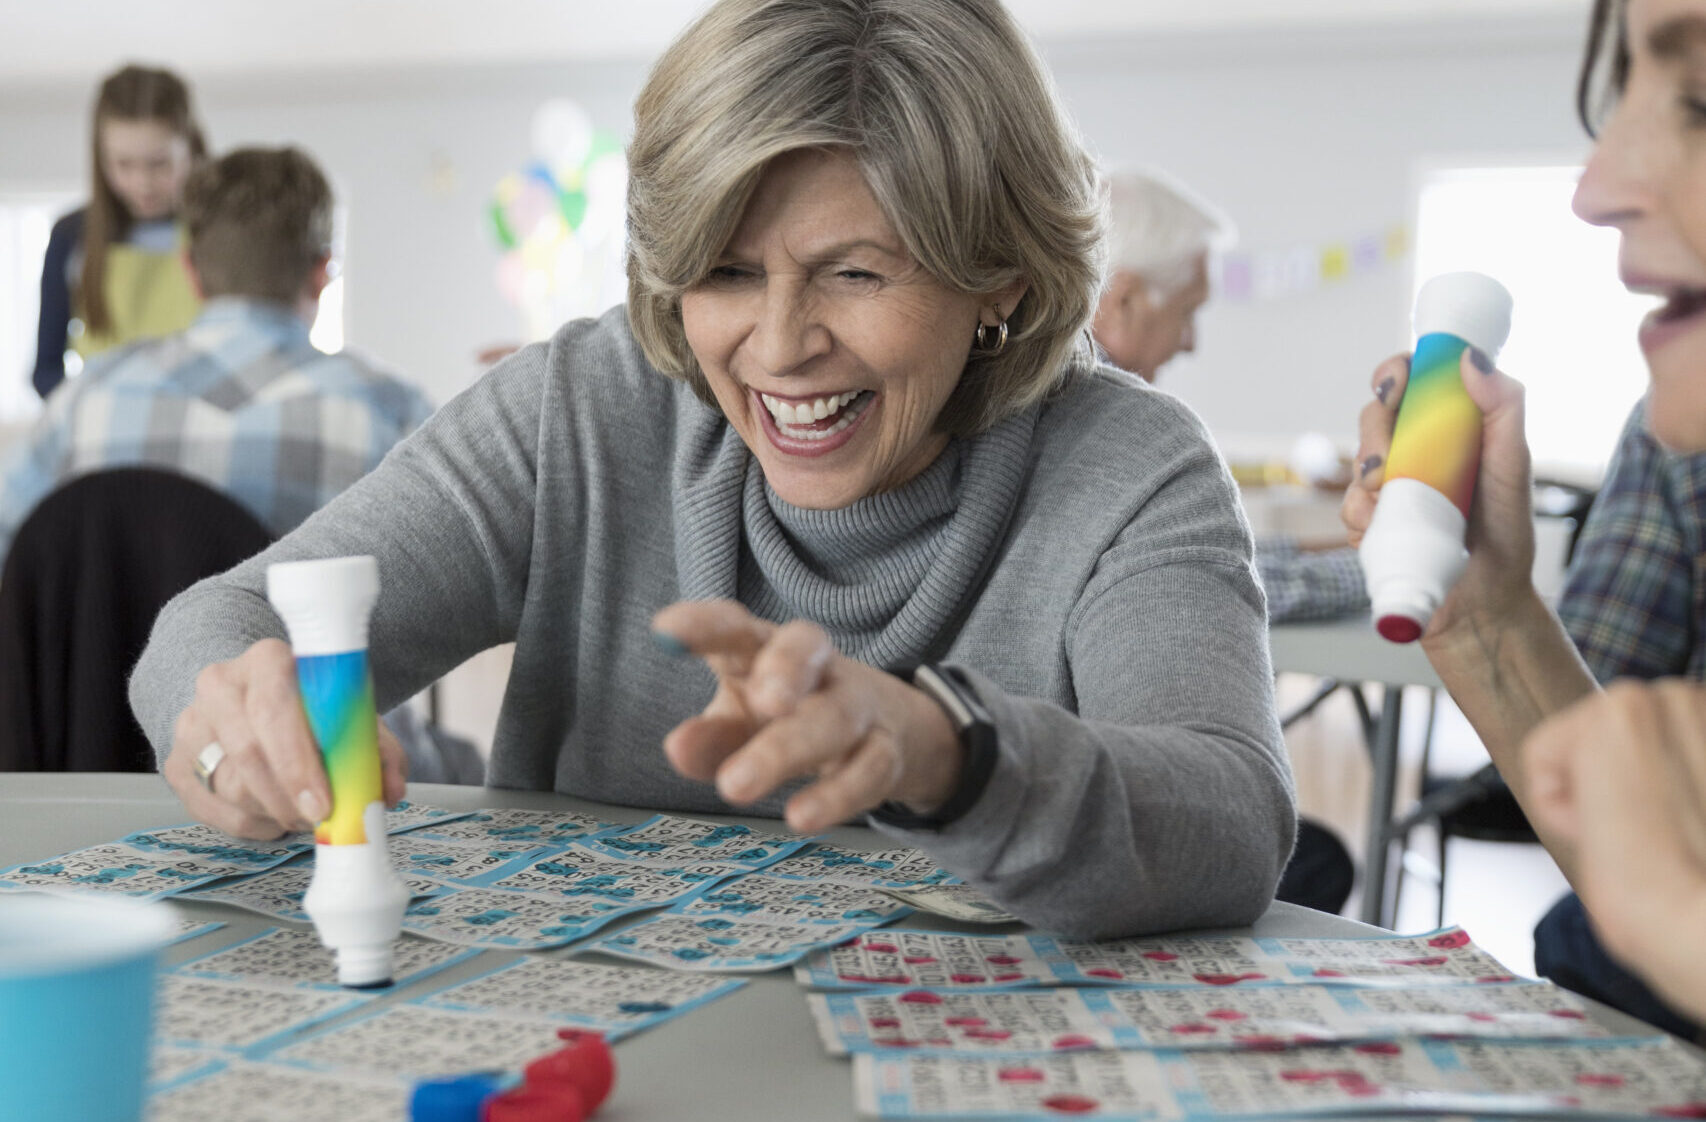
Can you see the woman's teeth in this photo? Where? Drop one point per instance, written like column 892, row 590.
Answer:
column 798, row 420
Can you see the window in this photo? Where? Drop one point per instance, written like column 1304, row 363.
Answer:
column 26, row 219
column 1572, row 338
column 328, row 332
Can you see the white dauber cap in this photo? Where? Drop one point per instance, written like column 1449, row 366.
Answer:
column 1472, row 306
column 325, row 604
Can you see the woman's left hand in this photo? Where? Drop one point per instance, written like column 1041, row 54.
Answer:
column 788, row 706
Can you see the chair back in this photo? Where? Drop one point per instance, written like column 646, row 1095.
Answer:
column 88, row 571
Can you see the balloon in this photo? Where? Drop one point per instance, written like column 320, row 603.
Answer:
column 560, row 220
column 573, row 206
column 532, row 205
column 562, row 133
column 511, row 277
column 500, row 226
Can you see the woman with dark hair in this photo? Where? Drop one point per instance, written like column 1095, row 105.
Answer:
column 838, row 519
column 115, row 266
column 1614, row 781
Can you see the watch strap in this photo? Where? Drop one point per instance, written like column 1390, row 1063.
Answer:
column 976, row 729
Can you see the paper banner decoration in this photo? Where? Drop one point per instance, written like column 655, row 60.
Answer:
column 559, row 221
column 1245, row 276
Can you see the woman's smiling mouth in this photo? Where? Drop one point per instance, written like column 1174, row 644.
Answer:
column 812, row 426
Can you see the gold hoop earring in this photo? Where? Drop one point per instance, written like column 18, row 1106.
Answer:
column 983, row 343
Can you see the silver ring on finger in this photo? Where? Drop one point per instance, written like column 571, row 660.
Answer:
column 206, row 762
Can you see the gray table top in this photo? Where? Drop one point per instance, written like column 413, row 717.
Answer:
column 1351, row 650
column 753, row 1056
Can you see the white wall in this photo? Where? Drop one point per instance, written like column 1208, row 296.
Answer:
column 1306, row 140
column 1302, row 137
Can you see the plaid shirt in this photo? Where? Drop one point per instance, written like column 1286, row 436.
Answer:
column 240, row 400
column 1636, row 593
column 1304, row 585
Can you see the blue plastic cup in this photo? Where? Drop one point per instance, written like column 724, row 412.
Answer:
column 76, row 1005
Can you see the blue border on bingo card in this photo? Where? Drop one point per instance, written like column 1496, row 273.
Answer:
column 213, row 1063
column 815, row 973
column 1418, row 977
column 150, row 859
column 856, row 860
column 693, row 883
column 1127, row 1036
column 436, row 820
column 518, row 858
column 580, row 931
column 1273, row 945
column 232, row 852
column 1350, row 1000
column 890, row 1104
column 868, row 1074
column 1445, row 1055
column 425, row 829
column 260, row 1051
column 1124, row 1036
column 203, row 894
column 287, row 1033
column 376, row 1009
column 188, row 967
column 197, row 931
column 834, row 936
column 783, row 846
column 898, row 910
column 290, row 1067
column 612, row 1033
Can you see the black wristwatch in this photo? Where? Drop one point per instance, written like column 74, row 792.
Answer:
column 949, row 689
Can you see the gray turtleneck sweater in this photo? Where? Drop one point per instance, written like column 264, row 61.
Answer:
column 1085, row 562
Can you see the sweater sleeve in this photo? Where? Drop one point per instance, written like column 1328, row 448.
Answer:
column 1165, row 801
column 53, row 326
column 449, row 516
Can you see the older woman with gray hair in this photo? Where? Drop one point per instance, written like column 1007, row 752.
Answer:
column 838, row 510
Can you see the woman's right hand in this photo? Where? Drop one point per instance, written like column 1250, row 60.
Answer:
column 271, row 781
column 1498, row 581
column 1621, row 776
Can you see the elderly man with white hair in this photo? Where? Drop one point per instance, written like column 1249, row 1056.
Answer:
column 1160, row 237
column 1161, row 240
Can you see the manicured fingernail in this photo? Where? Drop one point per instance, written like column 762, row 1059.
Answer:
column 1384, row 388
column 736, row 780
column 807, row 812
column 311, row 807
column 1480, row 359
column 1369, row 463
column 312, row 810
column 669, row 644
column 770, row 693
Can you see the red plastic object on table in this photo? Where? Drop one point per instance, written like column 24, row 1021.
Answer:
column 585, row 1064
column 535, row 1103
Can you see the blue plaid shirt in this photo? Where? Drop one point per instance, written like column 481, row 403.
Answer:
column 1636, row 592
column 240, row 400
column 1307, row 585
